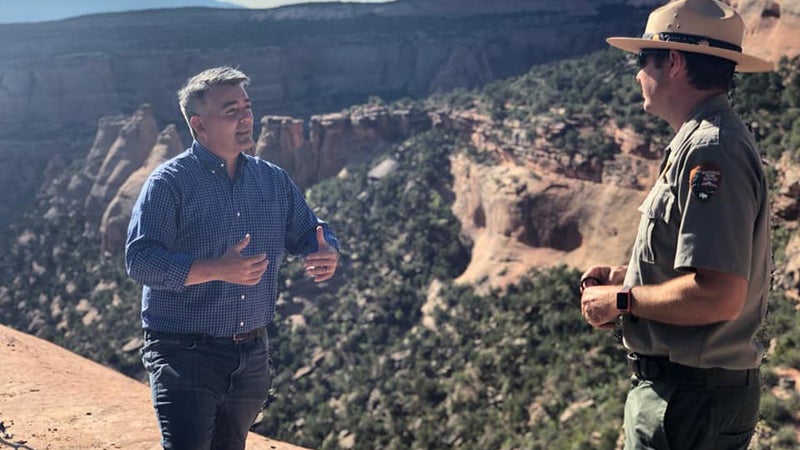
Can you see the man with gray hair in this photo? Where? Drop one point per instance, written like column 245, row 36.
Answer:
column 205, row 238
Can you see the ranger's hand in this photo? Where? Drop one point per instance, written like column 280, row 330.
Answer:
column 603, row 275
column 598, row 287
column 599, row 306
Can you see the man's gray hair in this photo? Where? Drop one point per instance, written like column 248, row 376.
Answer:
column 193, row 93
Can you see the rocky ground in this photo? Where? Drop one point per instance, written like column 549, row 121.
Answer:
column 51, row 399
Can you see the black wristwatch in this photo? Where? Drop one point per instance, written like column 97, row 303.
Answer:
column 624, row 300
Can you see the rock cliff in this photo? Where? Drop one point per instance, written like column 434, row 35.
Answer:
column 532, row 217
column 114, row 223
column 334, row 140
column 772, row 27
column 101, row 194
column 312, row 59
column 520, row 212
column 133, row 146
column 57, row 78
column 302, row 60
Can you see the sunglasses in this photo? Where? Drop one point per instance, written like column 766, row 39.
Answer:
column 641, row 57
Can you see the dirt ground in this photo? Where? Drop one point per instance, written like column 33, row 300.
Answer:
column 53, row 399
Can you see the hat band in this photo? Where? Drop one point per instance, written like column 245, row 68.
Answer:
column 691, row 39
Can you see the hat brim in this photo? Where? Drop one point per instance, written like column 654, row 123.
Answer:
column 744, row 62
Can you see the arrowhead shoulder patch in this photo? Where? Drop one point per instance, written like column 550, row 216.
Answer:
column 705, row 179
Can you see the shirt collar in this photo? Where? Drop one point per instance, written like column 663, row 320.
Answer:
column 708, row 107
column 212, row 161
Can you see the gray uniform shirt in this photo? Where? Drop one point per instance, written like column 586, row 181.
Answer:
column 707, row 210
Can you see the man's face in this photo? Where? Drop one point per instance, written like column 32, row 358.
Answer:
column 650, row 79
column 224, row 121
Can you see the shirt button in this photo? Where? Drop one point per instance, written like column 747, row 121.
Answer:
column 242, row 296
column 241, row 324
column 238, row 214
column 213, row 172
column 222, row 165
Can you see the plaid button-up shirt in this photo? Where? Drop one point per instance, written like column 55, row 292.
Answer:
column 190, row 209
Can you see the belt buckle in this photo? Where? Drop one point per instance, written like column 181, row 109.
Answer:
column 241, row 337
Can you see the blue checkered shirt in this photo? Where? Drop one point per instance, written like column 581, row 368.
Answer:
column 189, row 208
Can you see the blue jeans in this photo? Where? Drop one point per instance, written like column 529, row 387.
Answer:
column 206, row 391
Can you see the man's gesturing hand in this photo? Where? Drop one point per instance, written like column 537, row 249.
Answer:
column 231, row 267
column 237, row 269
column 322, row 264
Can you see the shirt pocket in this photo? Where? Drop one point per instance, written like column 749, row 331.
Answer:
column 656, row 211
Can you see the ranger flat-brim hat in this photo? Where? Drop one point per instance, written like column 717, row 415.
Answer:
column 709, row 27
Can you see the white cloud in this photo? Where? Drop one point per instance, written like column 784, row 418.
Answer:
column 275, row 3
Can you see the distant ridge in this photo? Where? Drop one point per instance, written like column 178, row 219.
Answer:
column 46, row 10
column 55, row 399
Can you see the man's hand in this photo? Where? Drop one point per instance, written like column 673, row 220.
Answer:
column 237, row 269
column 599, row 286
column 322, row 264
column 599, row 306
column 231, row 267
column 603, row 275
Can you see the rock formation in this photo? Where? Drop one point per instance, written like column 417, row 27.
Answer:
column 67, row 195
column 129, row 151
column 527, row 208
column 114, row 224
column 57, row 78
column 521, row 217
column 334, row 140
column 304, row 60
column 772, row 27
column 102, row 192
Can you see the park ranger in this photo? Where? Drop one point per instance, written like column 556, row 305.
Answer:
column 695, row 288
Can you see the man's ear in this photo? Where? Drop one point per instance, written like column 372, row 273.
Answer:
column 676, row 62
column 197, row 123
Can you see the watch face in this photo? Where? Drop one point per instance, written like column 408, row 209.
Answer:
column 622, row 301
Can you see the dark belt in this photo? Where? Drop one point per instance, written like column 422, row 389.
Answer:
column 252, row 334
column 236, row 338
column 661, row 368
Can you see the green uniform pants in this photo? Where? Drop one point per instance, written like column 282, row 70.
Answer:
column 674, row 415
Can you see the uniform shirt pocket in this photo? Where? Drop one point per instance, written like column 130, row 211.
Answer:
column 653, row 227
